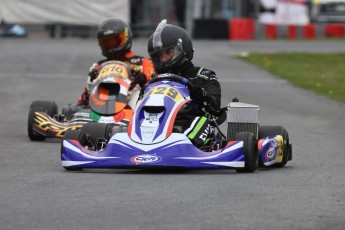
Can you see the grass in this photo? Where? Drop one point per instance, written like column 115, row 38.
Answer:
column 323, row 73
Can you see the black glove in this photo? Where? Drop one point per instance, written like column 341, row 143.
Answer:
column 198, row 94
column 138, row 77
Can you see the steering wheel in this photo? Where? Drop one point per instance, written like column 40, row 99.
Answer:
column 168, row 77
column 221, row 114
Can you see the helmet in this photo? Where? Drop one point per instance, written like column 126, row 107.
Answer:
column 114, row 37
column 172, row 40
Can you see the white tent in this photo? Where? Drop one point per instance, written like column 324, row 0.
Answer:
column 79, row 12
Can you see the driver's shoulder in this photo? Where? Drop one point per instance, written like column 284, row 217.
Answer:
column 202, row 72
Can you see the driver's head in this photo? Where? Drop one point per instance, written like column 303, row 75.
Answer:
column 114, row 38
column 170, row 48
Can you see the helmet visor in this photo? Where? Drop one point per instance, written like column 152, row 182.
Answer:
column 166, row 55
column 112, row 41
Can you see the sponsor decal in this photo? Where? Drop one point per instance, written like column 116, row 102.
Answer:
column 205, row 133
column 153, row 115
column 272, row 151
column 147, row 132
column 104, row 119
column 145, row 159
column 279, row 144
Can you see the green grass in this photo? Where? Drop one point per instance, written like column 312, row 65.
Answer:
column 319, row 72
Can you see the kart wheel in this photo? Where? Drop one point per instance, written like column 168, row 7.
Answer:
column 33, row 135
column 39, row 106
column 93, row 132
column 119, row 129
column 249, row 150
column 265, row 131
column 71, row 135
column 49, row 107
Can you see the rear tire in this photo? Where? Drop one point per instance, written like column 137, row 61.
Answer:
column 39, row 106
column 265, row 131
column 249, row 151
column 70, row 135
column 50, row 107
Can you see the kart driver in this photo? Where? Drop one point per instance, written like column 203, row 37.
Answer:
column 115, row 40
column 171, row 51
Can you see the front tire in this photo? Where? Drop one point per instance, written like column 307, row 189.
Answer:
column 249, row 151
column 33, row 135
column 39, row 106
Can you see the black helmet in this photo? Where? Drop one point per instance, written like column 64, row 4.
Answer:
column 114, row 37
column 171, row 39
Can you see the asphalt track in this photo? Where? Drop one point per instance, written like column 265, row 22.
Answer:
column 37, row 193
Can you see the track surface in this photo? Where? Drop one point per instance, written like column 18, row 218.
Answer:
column 37, row 193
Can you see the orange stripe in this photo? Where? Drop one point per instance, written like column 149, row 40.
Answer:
column 172, row 120
column 121, row 82
column 130, row 126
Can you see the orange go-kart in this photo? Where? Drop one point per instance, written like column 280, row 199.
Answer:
column 108, row 103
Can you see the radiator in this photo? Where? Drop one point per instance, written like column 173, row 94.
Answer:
column 242, row 117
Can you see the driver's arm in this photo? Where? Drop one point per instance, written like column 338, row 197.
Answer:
column 212, row 101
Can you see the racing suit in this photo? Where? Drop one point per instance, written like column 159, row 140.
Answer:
column 141, row 69
column 192, row 120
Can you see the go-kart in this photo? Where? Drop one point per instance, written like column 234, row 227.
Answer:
column 107, row 104
column 151, row 141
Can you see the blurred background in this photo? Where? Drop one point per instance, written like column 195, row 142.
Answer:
column 203, row 19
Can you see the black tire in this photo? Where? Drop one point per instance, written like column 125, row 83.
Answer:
column 119, row 129
column 39, row 106
column 95, row 131
column 249, row 150
column 266, row 131
column 71, row 135
column 33, row 135
column 50, row 107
